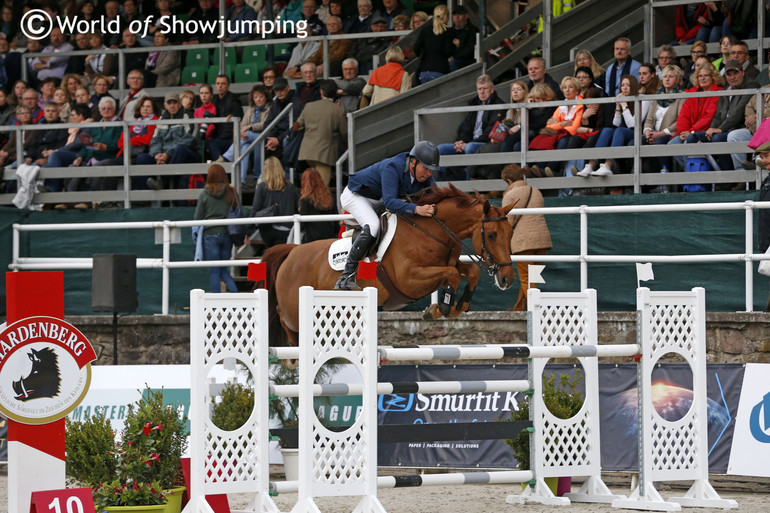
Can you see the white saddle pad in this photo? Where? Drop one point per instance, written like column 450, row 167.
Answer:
column 338, row 251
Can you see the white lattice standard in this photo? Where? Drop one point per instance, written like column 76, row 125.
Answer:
column 564, row 447
column 673, row 322
column 333, row 325
column 222, row 327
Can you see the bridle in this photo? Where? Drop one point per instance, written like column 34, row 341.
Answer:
column 477, row 259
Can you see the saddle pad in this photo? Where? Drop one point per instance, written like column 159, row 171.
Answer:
column 338, row 251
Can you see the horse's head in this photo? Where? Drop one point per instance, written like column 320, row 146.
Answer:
column 493, row 243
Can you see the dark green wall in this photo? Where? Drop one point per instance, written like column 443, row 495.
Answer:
column 646, row 234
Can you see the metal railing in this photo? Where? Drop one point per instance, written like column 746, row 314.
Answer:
column 583, row 258
column 124, row 171
column 636, row 152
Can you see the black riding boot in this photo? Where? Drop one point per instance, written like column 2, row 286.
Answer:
column 361, row 247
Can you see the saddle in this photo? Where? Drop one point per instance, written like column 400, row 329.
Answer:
column 338, row 254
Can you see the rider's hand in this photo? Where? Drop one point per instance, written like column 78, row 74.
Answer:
column 425, row 210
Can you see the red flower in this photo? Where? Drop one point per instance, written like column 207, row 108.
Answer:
column 158, row 427
column 147, row 429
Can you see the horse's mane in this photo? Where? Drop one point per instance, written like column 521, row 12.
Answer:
column 436, row 194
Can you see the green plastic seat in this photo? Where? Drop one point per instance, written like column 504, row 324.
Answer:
column 247, row 72
column 193, row 75
column 214, row 73
column 197, row 58
column 230, row 59
column 254, row 54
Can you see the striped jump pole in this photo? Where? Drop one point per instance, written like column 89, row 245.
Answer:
column 446, row 479
column 413, row 387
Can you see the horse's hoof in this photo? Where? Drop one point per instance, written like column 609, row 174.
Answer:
column 427, row 314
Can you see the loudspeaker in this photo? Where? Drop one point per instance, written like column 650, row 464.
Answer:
column 113, row 283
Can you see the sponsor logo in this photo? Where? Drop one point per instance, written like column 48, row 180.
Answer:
column 395, row 402
column 759, row 421
column 45, row 369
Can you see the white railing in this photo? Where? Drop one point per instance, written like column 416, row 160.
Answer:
column 167, row 236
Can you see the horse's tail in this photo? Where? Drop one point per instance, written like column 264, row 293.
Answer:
column 273, row 259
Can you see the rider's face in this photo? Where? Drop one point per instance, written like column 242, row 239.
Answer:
column 421, row 173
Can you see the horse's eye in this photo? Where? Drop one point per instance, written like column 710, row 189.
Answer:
column 492, row 236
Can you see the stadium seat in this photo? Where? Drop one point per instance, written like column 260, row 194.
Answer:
column 229, row 57
column 197, row 58
column 282, row 51
column 193, row 75
column 246, row 72
column 214, row 72
column 254, row 54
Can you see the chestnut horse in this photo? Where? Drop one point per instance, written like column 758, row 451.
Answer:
column 423, row 256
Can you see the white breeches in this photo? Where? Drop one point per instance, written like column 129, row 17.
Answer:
column 363, row 209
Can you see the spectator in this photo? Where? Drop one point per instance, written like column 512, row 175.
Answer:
column 724, row 52
column 350, row 86
column 742, row 19
column 214, row 201
column 46, row 92
column 308, row 90
column 391, row 9
column 163, row 67
column 434, row 47
column 400, row 23
column 660, row 124
column 6, row 114
column 15, row 98
column 62, row 101
column 315, row 26
column 252, row 125
column 283, row 96
column 418, row 19
column 585, row 58
column 473, row 132
column 163, row 8
column 729, row 115
column 750, row 122
column 66, row 154
column 30, row 100
column 301, row 53
column 70, row 82
column 537, row 75
column 132, row 61
column 100, row 63
column 82, row 96
column 101, row 86
column 585, row 78
column 364, row 50
column 712, row 23
column 228, row 105
column 537, row 117
column 338, row 49
column 111, row 13
column 140, row 135
column 187, row 101
column 53, row 66
column 46, row 142
column 697, row 113
column 648, row 80
column 689, row 23
column 566, row 117
column 530, row 232
column 135, row 92
column 292, row 11
column 360, row 23
column 388, row 80
column 268, row 79
column 624, row 65
column 323, row 11
column 8, row 152
column 205, row 15
column 335, row 9
column 235, row 16
column 8, row 26
column 666, row 56
column 316, row 199
column 740, row 52
column 595, row 118
column 463, row 36
column 326, row 129
column 278, row 192
column 207, row 109
column 697, row 50
column 171, row 144
column 77, row 63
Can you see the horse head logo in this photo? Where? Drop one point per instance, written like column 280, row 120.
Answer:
column 43, row 380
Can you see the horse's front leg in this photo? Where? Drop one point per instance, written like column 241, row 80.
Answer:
column 434, row 278
column 473, row 274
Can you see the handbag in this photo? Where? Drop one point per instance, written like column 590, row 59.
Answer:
column 237, row 232
column 761, row 136
column 499, row 132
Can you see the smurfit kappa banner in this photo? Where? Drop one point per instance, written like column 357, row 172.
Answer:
column 618, row 410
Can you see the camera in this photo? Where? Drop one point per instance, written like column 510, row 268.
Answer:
column 203, row 128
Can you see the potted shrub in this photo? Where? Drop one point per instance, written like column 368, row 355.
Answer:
column 562, row 398
column 138, row 472
column 235, row 407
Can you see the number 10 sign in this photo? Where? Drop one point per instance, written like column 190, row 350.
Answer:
column 71, row 500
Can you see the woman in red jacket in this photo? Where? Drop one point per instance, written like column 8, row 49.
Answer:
column 697, row 113
column 139, row 137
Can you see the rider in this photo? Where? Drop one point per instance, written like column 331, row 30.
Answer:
column 380, row 184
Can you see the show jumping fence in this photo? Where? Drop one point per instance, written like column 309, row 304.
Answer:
column 343, row 325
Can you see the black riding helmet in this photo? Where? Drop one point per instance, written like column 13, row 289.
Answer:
column 426, row 153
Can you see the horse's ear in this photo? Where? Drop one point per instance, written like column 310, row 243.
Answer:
column 508, row 208
column 487, row 206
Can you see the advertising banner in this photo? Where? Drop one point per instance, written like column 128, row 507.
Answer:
column 751, row 444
